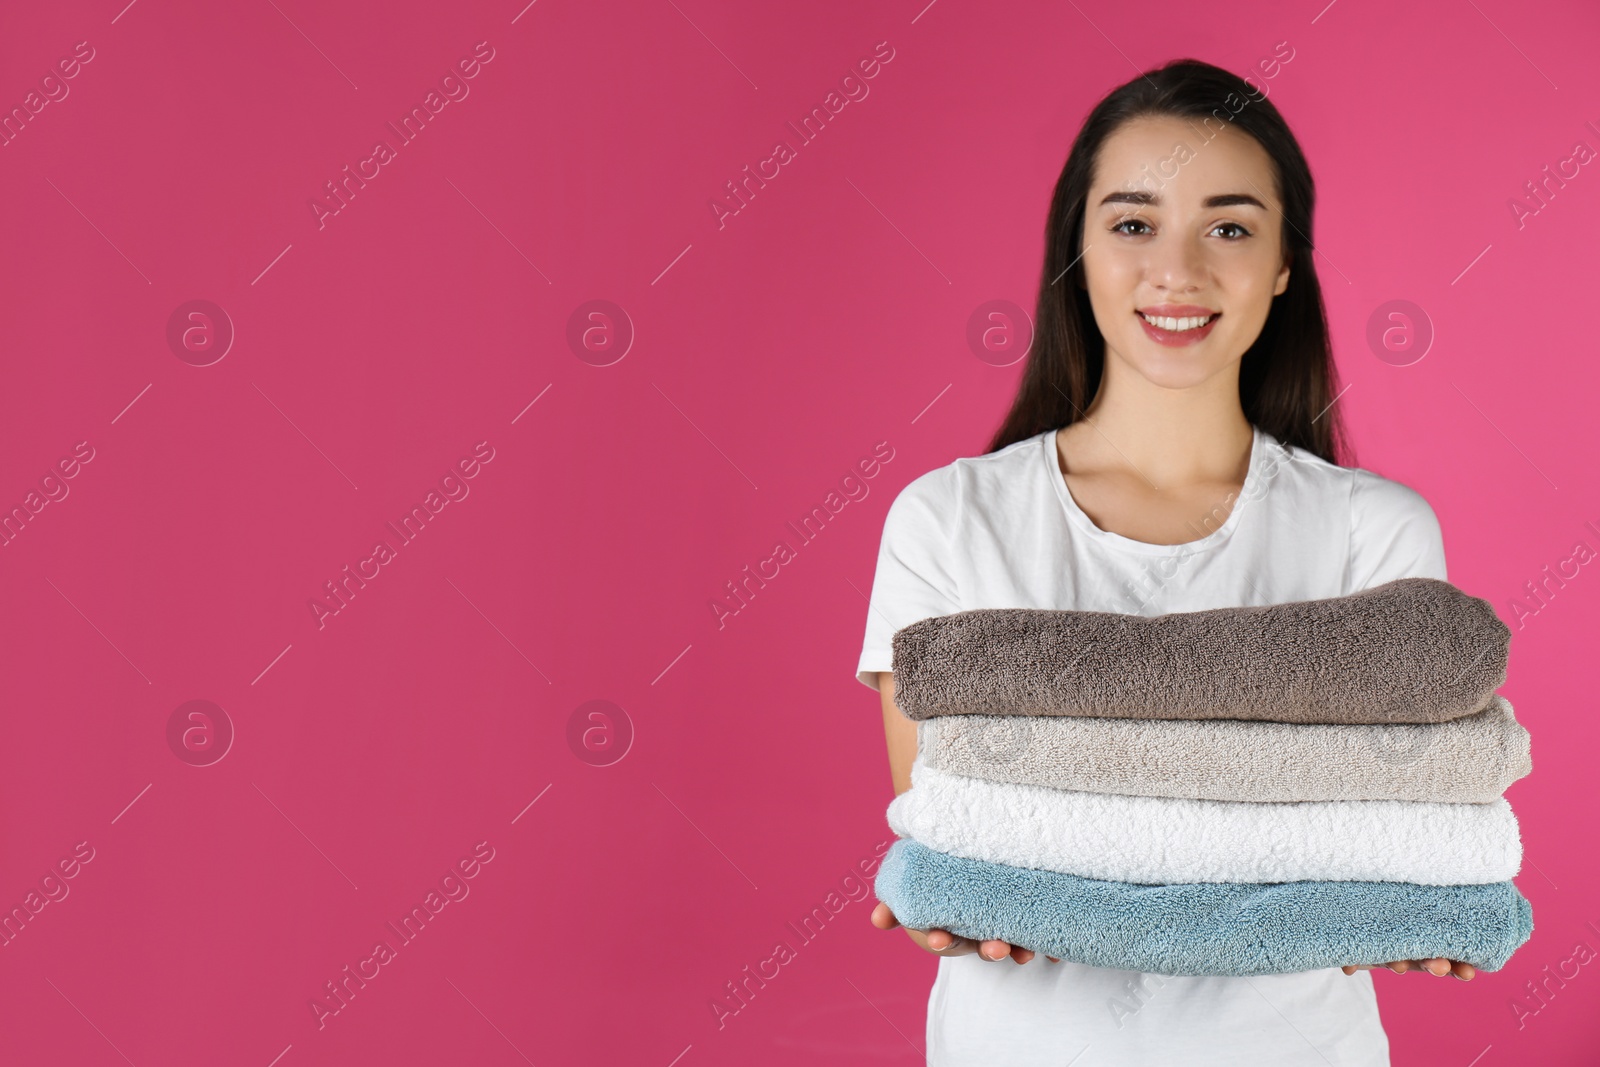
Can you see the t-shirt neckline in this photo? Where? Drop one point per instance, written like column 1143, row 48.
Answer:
column 1085, row 525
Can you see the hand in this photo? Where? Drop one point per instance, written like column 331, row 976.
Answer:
column 944, row 943
column 1438, row 966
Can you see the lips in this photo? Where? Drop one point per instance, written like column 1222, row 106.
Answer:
column 1177, row 338
column 1177, row 311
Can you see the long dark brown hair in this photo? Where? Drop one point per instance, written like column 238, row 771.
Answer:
column 1287, row 377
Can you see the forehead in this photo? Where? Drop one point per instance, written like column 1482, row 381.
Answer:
column 1183, row 161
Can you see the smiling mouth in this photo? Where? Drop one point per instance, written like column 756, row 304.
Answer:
column 1181, row 324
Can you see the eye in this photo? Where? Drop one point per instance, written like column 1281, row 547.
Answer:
column 1118, row 227
column 1243, row 233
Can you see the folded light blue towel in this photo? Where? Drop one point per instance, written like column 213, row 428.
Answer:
column 1203, row 928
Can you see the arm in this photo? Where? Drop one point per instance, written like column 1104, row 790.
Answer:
column 901, row 735
column 1395, row 534
column 915, row 579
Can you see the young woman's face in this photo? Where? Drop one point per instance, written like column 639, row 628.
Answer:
column 1188, row 233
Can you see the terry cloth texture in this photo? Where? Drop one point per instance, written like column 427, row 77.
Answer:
column 1206, row 929
column 1163, row 841
column 1410, row 650
column 1470, row 760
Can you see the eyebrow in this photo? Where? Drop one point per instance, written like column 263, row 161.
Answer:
column 1220, row 200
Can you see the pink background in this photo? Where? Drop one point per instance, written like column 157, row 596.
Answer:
column 769, row 355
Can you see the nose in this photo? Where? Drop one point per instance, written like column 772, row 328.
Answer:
column 1175, row 264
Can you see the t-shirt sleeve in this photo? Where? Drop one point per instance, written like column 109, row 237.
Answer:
column 914, row 578
column 1393, row 534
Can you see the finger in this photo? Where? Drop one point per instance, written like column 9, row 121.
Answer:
column 1463, row 971
column 1021, row 955
column 994, row 950
column 1399, row 966
column 939, row 940
column 1052, row 959
column 1436, row 966
column 883, row 918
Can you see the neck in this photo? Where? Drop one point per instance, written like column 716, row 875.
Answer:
column 1170, row 437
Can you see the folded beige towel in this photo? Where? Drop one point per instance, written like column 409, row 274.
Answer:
column 1470, row 760
column 1410, row 650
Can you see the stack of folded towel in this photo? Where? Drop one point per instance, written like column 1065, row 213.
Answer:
column 1249, row 790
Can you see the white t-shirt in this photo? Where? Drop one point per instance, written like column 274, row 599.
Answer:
column 1002, row 530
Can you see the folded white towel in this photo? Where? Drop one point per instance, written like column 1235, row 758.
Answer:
column 1166, row 841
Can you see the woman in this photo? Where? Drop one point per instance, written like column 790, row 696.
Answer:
column 1174, row 446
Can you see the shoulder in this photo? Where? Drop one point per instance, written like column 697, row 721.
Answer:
column 1394, row 532
column 1379, row 502
column 1370, row 496
column 945, row 495
column 1389, row 519
column 1390, row 529
column 1306, row 473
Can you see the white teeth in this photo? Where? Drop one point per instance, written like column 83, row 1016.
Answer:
column 1176, row 325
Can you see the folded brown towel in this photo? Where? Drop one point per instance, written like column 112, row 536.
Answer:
column 1410, row 650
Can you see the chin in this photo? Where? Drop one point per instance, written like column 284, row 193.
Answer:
column 1176, row 369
